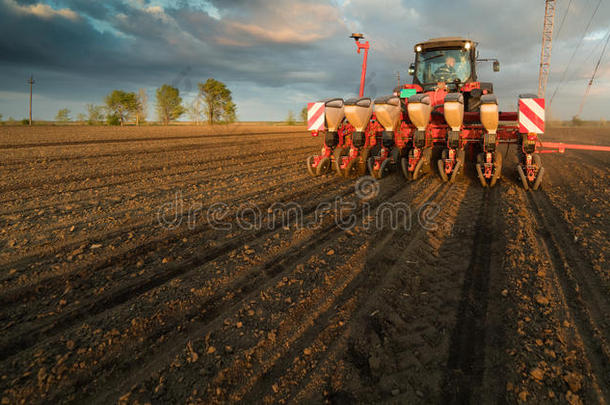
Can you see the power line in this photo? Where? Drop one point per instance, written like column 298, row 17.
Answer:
column 563, row 20
column 563, row 76
column 601, row 56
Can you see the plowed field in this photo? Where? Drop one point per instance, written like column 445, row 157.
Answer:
column 184, row 264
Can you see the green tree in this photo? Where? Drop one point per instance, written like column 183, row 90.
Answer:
column 290, row 120
column 63, row 115
column 576, row 121
column 169, row 103
column 218, row 101
column 0, row 117
column 121, row 105
column 304, row 115
column 95, row 114
column 229, row 113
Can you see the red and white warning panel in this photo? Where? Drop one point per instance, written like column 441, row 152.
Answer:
column 315, row 116
column 531, row 115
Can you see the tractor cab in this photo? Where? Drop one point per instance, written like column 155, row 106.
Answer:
column 450, row 60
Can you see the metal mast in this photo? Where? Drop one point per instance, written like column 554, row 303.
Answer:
column 547, row 45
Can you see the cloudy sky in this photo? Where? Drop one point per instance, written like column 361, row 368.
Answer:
column 277, row 55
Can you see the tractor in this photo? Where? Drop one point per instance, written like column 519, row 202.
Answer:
column 445, row 109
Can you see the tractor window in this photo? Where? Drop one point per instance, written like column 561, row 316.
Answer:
column 443, row 66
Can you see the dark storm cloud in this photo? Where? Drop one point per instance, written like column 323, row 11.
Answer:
column 283, row 51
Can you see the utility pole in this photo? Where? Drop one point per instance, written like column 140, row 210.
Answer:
column 547, row 45
column 398, row 78
column 31, row 82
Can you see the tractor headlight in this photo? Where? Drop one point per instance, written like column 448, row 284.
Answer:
column 418, row 48
column 467, row 45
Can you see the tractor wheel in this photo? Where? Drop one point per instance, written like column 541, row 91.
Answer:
column 384, row 169
column 418, row 167
column 441, row 170
column 497, row 169
column 441, row 165
column 424, row 160
column 522, row 177
column 352, row 169
column 538, row 181
column 362, row 161
column 310, row 168
column 458, row 165
column 404, row 166
column 478, row 166
column 370, row 164
column 323, row 166
column 338, row 154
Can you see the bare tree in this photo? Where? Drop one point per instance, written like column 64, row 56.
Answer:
column 196, row 110
column 95, row 114
column 142, row 109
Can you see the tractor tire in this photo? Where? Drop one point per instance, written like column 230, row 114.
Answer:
column 481, row 176
column 497, row 169
column 384, row 169
column 371, row 165
column 441, row 170
column 323, row 166
column 458, row 165
column 352, row 169
column 418, row 167
column 522, row 177
column 362, row 161
column 538, row 181
column 441, row 165
column 337, row 155
column 404, row 166
column 310, row 168
column 456, row 171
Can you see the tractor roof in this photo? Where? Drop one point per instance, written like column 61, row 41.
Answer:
column 444, row 42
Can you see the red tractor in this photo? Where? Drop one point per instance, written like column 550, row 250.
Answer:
column 446, row 107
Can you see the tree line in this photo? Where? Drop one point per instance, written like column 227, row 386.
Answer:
column 213, row 103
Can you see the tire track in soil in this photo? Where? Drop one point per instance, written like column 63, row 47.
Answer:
column 381, row 316
column 11, row 295
column 136, row 223
column 12, row 345
column 272, row 271
column 466, row 363
column 586, row 294
column 353, row 297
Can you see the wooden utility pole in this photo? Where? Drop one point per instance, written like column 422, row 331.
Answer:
column 398, row 78
column 31, row 82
